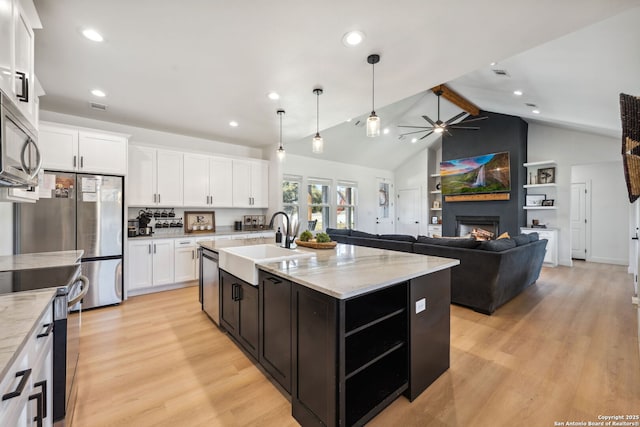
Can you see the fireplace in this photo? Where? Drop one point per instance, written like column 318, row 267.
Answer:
column 481, row 227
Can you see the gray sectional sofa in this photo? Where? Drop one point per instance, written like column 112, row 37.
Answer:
column 490, row 273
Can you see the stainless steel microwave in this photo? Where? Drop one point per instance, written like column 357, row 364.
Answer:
column 20, row 159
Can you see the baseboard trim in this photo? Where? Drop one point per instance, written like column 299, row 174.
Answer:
column 603, row 260
column 153, row 289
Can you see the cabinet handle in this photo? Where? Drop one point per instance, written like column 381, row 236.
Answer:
column 38, row 418
column 49, row 327
column 43, row 385
column 240, row 293
column 75, row 161
column 233, row 292
column 24, row 96
column 81, row 161
column 158, row 197
column 154, row 248
column 23, row 382
column 274, row 280
column 193, row 254
column 149, row 247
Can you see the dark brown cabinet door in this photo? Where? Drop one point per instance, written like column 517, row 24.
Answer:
column 275, row 348
column 229, row 309
column 248, row 330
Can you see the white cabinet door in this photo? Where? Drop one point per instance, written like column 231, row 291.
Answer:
column 163, row 258
column 259, row 184
column 142, row 172
column 59, row 147
column 24, row 83
column 140, row 263
column 241, row 184
column 6, row 46
column 169, row 178
column 102, row 153
column 196, row 180
column 220, row 182
column 185, row 260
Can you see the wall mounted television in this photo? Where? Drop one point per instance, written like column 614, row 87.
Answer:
column 489, row 173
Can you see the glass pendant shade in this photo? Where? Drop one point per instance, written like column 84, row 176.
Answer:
column 373, row 125
column 318, row 144
column 281, row 153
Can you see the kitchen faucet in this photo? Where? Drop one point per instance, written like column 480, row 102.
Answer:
column 287, row 242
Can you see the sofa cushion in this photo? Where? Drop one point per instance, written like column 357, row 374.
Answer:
column 356, row 233
column 497, row 245
column 533, row 237
column 521, row 239
column 398, row 237
column 455, row 242
column 341, row 231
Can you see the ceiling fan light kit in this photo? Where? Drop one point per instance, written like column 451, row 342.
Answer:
column 373, row 121
column 280, row 151
column 317, row 144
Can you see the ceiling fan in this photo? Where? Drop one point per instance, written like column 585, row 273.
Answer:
column 443, row 127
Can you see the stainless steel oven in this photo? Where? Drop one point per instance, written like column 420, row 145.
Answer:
column 20, row 159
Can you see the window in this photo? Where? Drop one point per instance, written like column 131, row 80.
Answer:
column 291, row 197
column 318, row 203
column 346, row 205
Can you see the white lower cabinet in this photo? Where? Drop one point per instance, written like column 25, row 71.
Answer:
column 151, row 262
column 551, row 234
column 27, row 388
column 185, row 260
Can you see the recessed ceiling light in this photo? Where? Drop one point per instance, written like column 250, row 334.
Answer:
column 348, row 120
column 273, row 96
column 535, row 111
column 92, row 35
column 414, row 140
column 493, row 63
column 517, row 92
column 99, row 93
column 353, row 38
column 385, row 131
column 233, row 124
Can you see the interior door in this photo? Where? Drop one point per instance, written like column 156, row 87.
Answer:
column 408, row 213
column 578, row 221
column 384, row 217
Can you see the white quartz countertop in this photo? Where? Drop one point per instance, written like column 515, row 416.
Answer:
column 214, row 245
column 39, row 260
column 347, row 270
column 19, row 314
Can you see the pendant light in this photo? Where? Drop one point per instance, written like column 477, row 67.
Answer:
column 280, row 151
column 318, row 144
column 373, row 121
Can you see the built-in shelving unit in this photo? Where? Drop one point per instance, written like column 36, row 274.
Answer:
column 539, row 185
column 540, row 207
column 375, row 352
column 534, row 184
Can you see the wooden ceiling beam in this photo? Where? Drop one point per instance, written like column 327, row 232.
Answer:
column 456, row 99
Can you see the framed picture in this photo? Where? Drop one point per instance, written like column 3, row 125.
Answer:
column 547, row 175
column 547, row 202
column 199, row 222
column 534, row 199
column 434, row 220
column 436, row 204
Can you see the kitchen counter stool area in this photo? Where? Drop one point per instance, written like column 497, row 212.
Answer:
column 342, row 360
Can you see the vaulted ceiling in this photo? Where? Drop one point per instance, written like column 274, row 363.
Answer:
column 191, row 67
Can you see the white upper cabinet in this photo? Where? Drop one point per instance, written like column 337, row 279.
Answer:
column 250, row 184
column 155, row 177
column 207, row 181
column 17, row 75
column 70, row 149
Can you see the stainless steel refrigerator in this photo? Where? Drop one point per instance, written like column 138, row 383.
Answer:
column 78, row 211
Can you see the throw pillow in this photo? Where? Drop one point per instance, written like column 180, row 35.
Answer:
column 533, row 237
column 356, row 233
column 497, row 245
column 504, row 235
column 521, row 239
column 398, row 237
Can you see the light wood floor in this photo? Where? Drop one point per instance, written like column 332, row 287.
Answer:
column 564, row 350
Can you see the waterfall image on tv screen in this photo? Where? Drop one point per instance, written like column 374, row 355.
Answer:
column 489, row 173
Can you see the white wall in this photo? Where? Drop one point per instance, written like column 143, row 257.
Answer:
column 414, row 173
column 366, row 178
column 6, row 228
column 609, row 217
column 569, row 148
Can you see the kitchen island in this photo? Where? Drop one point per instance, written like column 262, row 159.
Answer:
column 346, row 331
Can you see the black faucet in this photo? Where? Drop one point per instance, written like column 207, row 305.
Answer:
column 287, row 242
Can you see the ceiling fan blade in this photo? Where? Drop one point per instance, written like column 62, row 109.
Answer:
column 431, row 122
column 475, row 119
column 426, row 135
column 456, row 117
column 416, row 127
column 464, row 127
column 447, row 132
column 411, row 133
